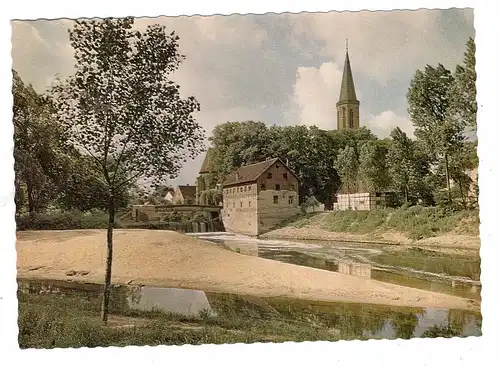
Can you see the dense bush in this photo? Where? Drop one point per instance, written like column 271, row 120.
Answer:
column 68, row 220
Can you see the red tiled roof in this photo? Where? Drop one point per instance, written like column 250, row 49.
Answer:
column 248, row 173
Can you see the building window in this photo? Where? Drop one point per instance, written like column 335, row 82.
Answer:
column 275, row 200
column 378, row 194
column 343, row 117
column 269, row 175
column 285, row 175
column 277, row 187
column 263, row 187
column 233, row 205
column 293, row 187
column 249, row 203
column 241, row 203
column 277, row 166
column 351, row 119
column 245, row 189
column 249, row 188
column 241, row 189
column 290, row 200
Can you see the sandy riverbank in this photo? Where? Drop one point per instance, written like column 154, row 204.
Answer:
column 170, row 259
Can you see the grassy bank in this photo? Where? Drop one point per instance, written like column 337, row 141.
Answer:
column 51, row 321
column 415, row 222
column 55, row 321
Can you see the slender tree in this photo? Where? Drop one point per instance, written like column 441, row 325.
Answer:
column 463, row 106
column 402, row 163
column 347, row 166
column 122, row 110
column 429, row 102
column 373, row 165
column 37, row 150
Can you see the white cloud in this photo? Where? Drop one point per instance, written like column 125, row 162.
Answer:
column 382, row 125
column 315, row 94
column 384, row 45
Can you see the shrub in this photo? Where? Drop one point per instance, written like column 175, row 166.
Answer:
column 68, row 220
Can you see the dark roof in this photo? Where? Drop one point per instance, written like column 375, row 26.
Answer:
column 249, row 173
column 188, row 191
column 347, row 89
column 207, row 165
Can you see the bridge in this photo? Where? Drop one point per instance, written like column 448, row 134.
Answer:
column 191, row 208
column 153, row 212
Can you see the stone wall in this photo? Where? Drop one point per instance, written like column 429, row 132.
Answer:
column 276, row 206
column 239, row 212
column 146, row 210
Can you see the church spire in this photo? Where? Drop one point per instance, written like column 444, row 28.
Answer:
column 348, row 104
column 347, row 90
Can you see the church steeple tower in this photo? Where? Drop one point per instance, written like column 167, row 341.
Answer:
column 348, row 104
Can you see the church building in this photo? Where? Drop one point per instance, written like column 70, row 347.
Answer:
column 356, row 197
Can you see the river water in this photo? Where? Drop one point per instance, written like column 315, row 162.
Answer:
column 427, row 270
column 347, row 320
column 408, row 267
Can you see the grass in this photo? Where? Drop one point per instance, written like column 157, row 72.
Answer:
column 51, row 321
column 72, row 320
column 416, row 222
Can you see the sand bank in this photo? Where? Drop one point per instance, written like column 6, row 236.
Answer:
column 170, row 259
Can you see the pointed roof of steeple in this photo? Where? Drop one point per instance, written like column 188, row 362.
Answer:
column 207, row 167
column 347, row 90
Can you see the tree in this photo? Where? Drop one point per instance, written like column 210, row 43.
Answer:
column 402, row 164
column 463, row 108
column 429, row 102
column 121, row 109
column 347, row 167
column 37, row 150
column 238, row 143
column 373, row 166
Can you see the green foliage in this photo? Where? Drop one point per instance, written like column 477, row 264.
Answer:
column 416, row 222
column 362, row 222
column 67, row 220
column 373, row 167
column 39, row 166
column 120, row 106
column 463, row 106
column 406, row 166
column 310, row 152
column 347, row 166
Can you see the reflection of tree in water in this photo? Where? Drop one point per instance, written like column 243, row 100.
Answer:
column 122, row 296
column 445, row 331
column 351, row 320
column 404, row 324
column 457, row 319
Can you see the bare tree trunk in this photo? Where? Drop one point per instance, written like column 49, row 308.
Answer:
column 109, row 259
column 464, row 198
column 447, row 176
column 31, row 200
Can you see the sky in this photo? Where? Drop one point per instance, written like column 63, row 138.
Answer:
column 282, row 69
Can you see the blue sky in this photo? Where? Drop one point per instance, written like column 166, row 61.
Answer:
column 281, row 69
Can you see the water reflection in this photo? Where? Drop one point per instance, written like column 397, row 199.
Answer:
column 351, row 259
column 347, row 320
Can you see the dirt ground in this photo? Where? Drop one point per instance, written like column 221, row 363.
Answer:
column 170, row 259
